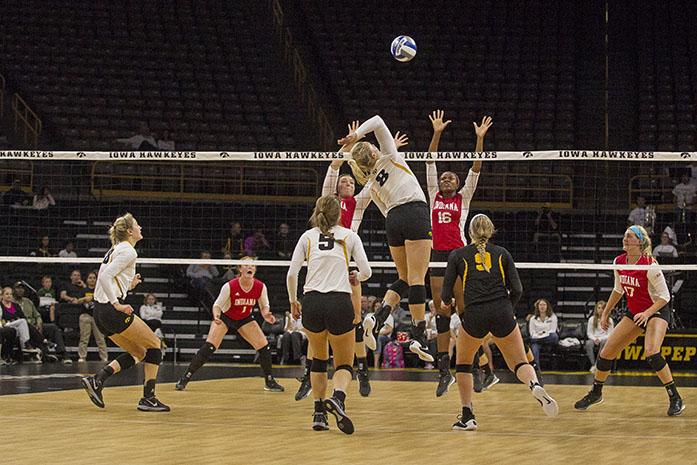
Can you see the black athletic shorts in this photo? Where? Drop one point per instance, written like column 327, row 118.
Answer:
column 109, row 320
column 408, row 222
column 332, row 311
column 439, row 256
column 235, row 324
column 663, row 313
column 494, row 317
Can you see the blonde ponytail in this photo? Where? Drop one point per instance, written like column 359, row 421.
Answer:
column 361, row 162
column 118, row 232
column 326, row 214
column 481, row 230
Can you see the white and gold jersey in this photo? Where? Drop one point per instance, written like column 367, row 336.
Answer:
column 116, row 273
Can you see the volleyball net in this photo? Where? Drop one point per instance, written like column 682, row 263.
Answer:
column 561, row 214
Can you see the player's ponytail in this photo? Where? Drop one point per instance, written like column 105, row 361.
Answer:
column 118, row 232
column 481, row 230
column 326, row 214
column 361, row 162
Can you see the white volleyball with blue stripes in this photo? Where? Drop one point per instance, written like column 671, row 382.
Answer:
column 403, row 48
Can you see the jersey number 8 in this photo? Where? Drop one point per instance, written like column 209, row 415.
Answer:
column 382, row 176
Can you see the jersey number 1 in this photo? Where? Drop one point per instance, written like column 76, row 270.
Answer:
column 325, row 242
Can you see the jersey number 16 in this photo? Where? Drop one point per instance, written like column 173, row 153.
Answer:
column 444, row 217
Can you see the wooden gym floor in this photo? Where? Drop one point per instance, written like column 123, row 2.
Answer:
column 233, row 421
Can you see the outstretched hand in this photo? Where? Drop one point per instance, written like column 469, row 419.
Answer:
column 400, row 140
column 483, row 127
column 437, row 121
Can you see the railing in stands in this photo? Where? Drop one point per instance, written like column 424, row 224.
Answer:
column 525, row 190
column 2, row 95
column 303, row 85
column 17, row 170
column 657, row 189
column 31, row 122
column 196, row 181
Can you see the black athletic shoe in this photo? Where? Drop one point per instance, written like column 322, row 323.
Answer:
column 319, row 421
column 305, row 388
column 477, row 380
column 94, row 389
column 676, row 407
column 181, row 384
column 363, row 383
column 465, row 422
column 152, row 404
column 489, row 381
column 588, row 400
column 445, row 380
column 273, row 386
column 336, row 408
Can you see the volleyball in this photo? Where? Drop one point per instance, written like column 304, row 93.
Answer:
column 403, row 48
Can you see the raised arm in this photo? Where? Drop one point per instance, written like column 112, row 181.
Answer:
column 431, row 171
column 382, row 134
column 481, row 133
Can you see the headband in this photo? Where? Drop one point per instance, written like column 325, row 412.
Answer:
column 637, row 231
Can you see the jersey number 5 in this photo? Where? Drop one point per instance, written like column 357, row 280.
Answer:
column 325, row 242
column 382, row 176
column 444, row 217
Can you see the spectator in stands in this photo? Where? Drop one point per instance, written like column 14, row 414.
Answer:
column 68, row 251
column 256, row 245
column 44, row 249
column 87, row 325
column 38, row 330
column 15, row 195
column 47, row 299
column 13, row 317
column 665, row 248
column 234, row 244
column 8, row 341
column 229, row 271
column 597, row 336
column 202, row 275
column 43, row 200
column 543, row 328
column 165, row 142
column 638, row 214
column 293, row 340
column 684, row 194
column 142, row 141
column 283, row 244
column 151, row 313
column 545, row 225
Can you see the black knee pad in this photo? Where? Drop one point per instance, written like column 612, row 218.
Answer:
column 603, row 364
column 359, row 332
column 417, row 294
column 319, row 366
column 656, row 361
column 442, row 324
column 207, row 348
column 126, row 361
column 400, row 287
column 153, row 356
column 519, row 366
column 348, row 368
column 463, row 368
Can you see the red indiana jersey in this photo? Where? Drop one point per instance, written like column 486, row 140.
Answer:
column 635, row 284
column 348, row 208
column 242, row 302
column 447, row 222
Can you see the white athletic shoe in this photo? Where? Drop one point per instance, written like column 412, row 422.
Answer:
column 421, row 351
column 549, row 405
column 368, row 336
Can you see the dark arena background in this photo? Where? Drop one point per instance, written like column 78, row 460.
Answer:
column 214, row 122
